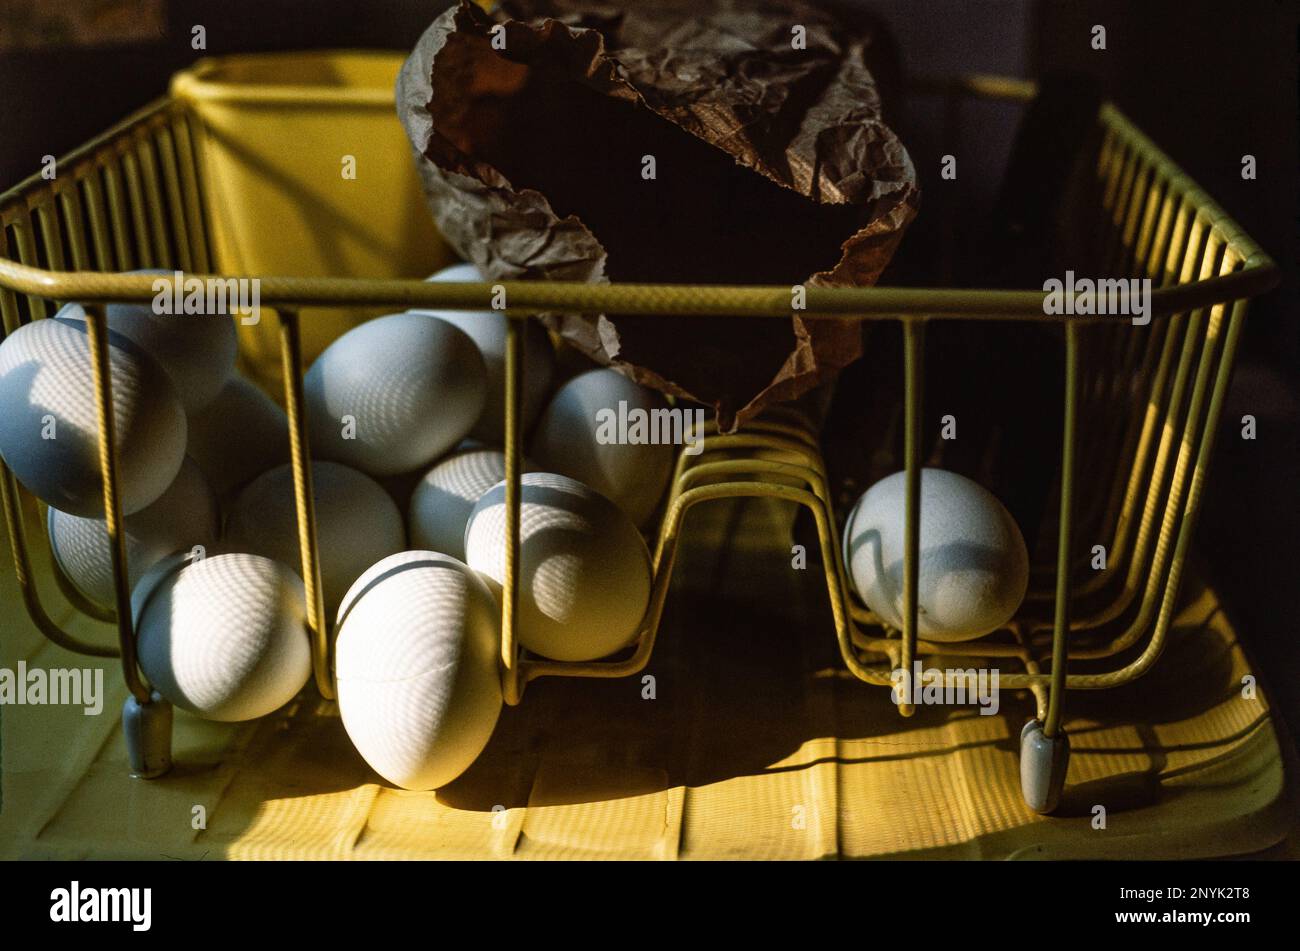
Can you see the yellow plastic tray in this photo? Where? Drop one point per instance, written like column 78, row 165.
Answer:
column 784, row 755
column 280, row 136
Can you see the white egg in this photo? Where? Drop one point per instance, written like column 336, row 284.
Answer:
column 197, row 351
column 394, row 394
column 974, row 567
column 184, row 516
column 238, row 436
column 224, row 637
column 357, row 523
column 417, row 668
column 584, row 574
column 49, row 430
column 488, row 331
column 441, row 503
column 566, row 441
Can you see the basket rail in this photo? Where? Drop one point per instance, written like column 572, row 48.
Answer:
column 131, row 198
column 646, row 300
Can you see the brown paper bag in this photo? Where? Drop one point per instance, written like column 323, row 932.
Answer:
column 727, row 142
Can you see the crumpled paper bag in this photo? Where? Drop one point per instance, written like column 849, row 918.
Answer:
column 707, row 142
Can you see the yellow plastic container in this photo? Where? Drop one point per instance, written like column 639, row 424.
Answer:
column 305, row 169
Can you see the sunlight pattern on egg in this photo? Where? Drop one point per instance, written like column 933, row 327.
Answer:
column 196, row 351
column 183, row 516
column 357, row 523
column 488, row 331
column 417, row 668
column 442, row 502
column 974, row 567
column 49, row 429
column 633, row 476
column 584, row 579
column 394, row 394
column 224, row 637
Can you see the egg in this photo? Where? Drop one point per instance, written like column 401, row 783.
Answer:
column 184, row 516
column 566, row 441
column 357, row 523
column 416, row 663
column 488, row 331
column 394, row 394
column 238, row 436
column 974, row 567
column 224, row 637
column 445, row 496
column 197, row 351
column 49, row 429
column 584, row 574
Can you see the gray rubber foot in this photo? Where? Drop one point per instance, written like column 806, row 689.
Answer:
column 1043, row 765
column 148, row 731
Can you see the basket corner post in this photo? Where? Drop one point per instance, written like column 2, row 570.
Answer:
column 146, row 716
column 304, row 502
column 513, row 680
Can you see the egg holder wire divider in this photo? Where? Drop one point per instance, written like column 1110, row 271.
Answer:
column 131, row 198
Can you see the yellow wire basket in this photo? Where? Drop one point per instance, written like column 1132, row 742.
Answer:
column 135, row 197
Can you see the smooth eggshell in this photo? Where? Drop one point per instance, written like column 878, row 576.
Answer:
column 974, row 567
column 45, row 371
column 224, row 637
column 238, row 436
column 197, row 351
column 584, row 580
column 417, row 668
column 414, row 387
column 633, row 476
column 446, row 495
column 443, row 499
column 184, row 516
column 488, row 331
column 357, row 523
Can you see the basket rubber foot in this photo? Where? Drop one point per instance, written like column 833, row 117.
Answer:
column 148, row 731
column 1044, row 762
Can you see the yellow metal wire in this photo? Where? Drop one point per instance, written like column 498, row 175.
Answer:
column 1061, row 623
column 305, row 502
column 19, row 551
column 513, row 680
column 913, row 371
column 97, row 330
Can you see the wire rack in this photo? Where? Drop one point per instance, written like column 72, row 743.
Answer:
column 132, row 198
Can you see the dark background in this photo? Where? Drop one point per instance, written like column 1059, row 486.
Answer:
column 1208, row 81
